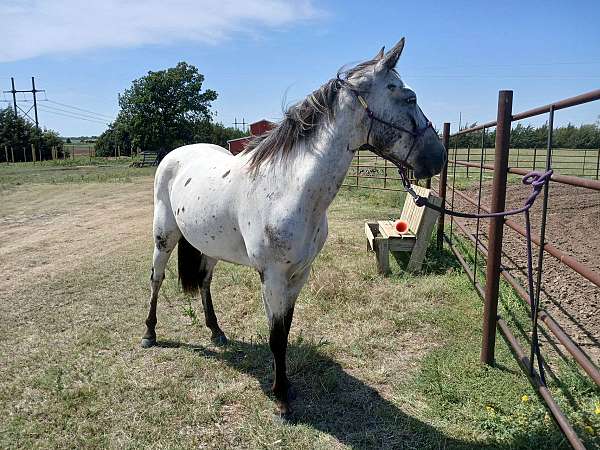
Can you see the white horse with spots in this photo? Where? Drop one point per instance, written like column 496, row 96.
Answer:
column 267, row 207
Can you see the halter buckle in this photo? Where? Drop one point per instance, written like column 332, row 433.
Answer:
column 362, row 101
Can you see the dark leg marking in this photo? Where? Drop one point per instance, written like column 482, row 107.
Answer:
column 161, row 244
column 187, row 182
column 278, row 341
column 225, row 174
column 218, row 337
column 149, row 337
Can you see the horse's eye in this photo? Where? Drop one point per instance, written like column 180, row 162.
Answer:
column 391, row 87
column 411, row 100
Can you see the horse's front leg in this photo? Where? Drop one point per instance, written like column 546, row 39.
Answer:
column 280, row 292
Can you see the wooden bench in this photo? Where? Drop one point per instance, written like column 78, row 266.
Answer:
column 149, row 158
column 383, row 238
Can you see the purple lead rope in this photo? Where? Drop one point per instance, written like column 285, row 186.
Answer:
column 536, row 180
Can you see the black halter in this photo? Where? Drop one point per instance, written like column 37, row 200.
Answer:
column 416, row 132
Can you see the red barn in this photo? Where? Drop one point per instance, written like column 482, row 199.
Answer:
column 256, row 129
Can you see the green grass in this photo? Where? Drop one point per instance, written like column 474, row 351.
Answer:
column 377, row 362
column 566, row 161
column 78, row 170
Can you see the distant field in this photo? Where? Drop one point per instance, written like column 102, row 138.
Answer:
column 78, row 170
column 80, row 149
column 566, row 161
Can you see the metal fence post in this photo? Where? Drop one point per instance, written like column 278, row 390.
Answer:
column 468, row 158
column 492, row 278
column 442, row 186
column 597, row 164
column 357, row 166
column 384, row 173
column 534, row 156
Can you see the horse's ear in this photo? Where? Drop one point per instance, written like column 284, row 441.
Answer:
column 390, row 59
column 380, row 54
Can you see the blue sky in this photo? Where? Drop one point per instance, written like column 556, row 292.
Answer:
column 254, row 52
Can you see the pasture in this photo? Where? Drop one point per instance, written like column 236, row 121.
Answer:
column 376, row 362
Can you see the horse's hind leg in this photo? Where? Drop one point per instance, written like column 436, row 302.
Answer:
column 206, row 272
column 166, row 236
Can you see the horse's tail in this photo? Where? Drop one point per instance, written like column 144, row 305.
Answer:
column 189, row 261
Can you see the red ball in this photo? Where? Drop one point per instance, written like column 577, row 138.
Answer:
column 401, row 226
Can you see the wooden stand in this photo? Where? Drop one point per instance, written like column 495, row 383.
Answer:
column 383, row 238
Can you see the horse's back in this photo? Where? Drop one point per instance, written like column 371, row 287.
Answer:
column 200, row 184
column 182, row 159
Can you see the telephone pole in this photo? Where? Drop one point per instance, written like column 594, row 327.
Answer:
column 243, row 123
column 33, row 91
column 14, row 93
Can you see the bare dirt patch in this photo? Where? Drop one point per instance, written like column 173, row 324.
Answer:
column 53, row 232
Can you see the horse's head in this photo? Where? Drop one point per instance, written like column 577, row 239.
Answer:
column 396, row 127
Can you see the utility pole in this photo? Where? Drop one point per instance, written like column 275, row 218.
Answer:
column 16, row 107
column 243, row 123
column 14, row 94
column 33, row 91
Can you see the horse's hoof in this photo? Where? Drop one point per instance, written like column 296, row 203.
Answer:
column 283, row 413
column 148, row 342
column 219, row 340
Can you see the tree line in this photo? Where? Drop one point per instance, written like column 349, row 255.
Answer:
column 17, row 136
column 164, row 110
column 528, row 136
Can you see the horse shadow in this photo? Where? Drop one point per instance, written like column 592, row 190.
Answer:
column 330, row 399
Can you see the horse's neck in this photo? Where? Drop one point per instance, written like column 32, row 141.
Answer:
column 321, row 169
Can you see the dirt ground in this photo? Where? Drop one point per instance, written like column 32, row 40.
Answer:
column 573, row 226
column 67, row 229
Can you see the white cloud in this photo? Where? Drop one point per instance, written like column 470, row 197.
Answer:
column 31, row 28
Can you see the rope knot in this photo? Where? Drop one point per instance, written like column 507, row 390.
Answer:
column 537, row 179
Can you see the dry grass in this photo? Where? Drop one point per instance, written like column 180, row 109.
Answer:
column 367, row 354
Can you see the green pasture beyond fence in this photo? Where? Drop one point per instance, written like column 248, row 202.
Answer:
column 372, row 172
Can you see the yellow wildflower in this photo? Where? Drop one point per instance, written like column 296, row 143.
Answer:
column 589, row 430
column 597, row 410
column 489, row 409
column 525, row 398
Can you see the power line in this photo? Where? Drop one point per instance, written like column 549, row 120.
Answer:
column 80, row 109
column 71, row 116
column 511, row 67
column 89, row 116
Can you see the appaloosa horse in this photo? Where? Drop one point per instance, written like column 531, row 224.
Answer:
column 267, row 207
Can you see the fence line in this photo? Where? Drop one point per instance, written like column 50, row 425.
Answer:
column 575, row 167
column 493, row 251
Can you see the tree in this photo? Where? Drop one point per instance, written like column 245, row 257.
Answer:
column 162, row 109
column 18, row 134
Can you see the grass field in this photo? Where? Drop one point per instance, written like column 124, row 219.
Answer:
column 377, row 362
column 577, row 162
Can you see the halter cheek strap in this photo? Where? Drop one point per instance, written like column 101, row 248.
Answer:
column 416, row 133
